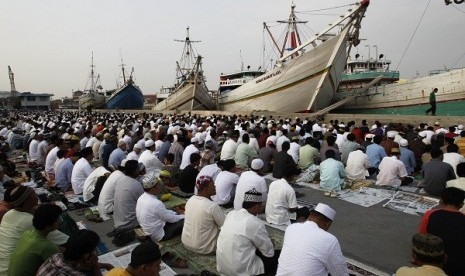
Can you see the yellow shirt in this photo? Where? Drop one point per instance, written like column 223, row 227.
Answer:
column 118, row 271
column 424, row 270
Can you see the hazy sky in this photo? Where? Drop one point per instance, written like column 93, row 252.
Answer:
column 48, row 43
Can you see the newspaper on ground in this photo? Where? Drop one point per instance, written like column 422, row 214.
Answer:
column 413, row 204
column 365, row 196
column 122, row 257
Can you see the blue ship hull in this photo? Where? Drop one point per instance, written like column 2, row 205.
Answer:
column 127, row 97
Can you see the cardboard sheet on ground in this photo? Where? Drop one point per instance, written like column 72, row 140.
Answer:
column 122, row 257
column 365, row 196
column 413, row 204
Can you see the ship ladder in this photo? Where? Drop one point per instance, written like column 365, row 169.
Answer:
column 346, row 100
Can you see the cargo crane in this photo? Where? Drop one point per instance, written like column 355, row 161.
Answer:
column 12, row 82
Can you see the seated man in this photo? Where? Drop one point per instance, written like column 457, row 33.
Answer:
column 448, row 223
column 436, row 173
column 357, row 165
column 281, row 202
column 203, row 219
column 459, row 182
column 107, row 194
column 156, row 221
column 82, row 170
column 80, row 257
column 309, row 249
column 428, row 255
column 225, row 183
column 392, row 171
column 250, row 180
column 127, row 191
column 244, row 247
column 282, row 160
column 189, row 173
column 331, row 174
column 33, row 248
column 145, row 260
column 64, row 172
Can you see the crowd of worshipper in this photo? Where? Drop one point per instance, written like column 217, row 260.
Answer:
column 128, row 164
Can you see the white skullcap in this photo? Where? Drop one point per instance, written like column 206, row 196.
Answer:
column 194, row 140
column 149, row 143
column 373, row 127
column 403, row 142
column 325, row 210
column 460, row 127
column 121, row 142
column 150, row 180
column 369, row 136
column 137, row 146
column 123, row 163
column 391, row 134
column 257, row 164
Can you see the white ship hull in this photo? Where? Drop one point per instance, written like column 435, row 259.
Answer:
column 93, row 100
column 414, row 92
column 191, row 96
column 305, row 83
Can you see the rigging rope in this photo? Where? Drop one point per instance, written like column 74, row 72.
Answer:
column 414, row 33
column 453, row 65
column 325, row 9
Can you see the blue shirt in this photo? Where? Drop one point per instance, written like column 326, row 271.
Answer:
column 116, row 156
column 63, row 174
column 375, row 153
column 331, row 175
column 408, row 158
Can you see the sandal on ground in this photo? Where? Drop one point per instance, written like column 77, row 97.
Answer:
column 333, row 194
column 327, row 193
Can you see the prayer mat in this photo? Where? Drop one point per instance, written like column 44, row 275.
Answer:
column 178, row 192
column 175, row 201
column 359, row 269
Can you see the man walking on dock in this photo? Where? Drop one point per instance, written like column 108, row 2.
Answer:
column 432, row 102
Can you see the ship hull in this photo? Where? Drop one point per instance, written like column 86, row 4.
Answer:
column 305, row 83
column 92, row 100
column 191, row 96
column 127, row 97
column 412, row 97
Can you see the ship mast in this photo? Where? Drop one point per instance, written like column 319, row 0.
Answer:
column 92, row 76
column 122, row 66
column 188, row 58
column 12, row 82
column 292, row 38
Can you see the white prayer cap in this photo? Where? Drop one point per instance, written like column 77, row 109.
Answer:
column 194, row 140
column 257, row 164
column 121, row 142
column 150, row 180
column 391, row 134
column 373, row 127
column 460, row 127
column 422, row 134
column 325, row 210
column 123, row 163
column 137, row 146
column 149, row 143
column 403, row 143
column 369, row 136
column 437, row 123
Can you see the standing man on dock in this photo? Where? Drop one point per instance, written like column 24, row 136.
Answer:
column 432, row 102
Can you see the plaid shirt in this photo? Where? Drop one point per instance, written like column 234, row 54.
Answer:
column 56, row 266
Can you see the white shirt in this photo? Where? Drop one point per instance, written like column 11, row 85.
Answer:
column 133, row 156
column 84, row 142
column 390, row 171
column 247, row 182
column 211, row 170
column 186, row 156
column 107, row 194
column 309, row 250
column 203, row 220
column 294, row 151
column 279, row 142
column 453, row 159
column 254, row 143
column 228, row 151
column 42, row 152
column 50, row 160
column 357, row 165
column 224, row 185
column 281, row 197
column 151, row 162
column 81, row 171
column 241, row 235
column 34, row 150
column 152, row 215
column 89, row 184
column 91, row 142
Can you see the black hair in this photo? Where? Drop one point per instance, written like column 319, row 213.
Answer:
column 229, row 164
column 245, row 138
column 86, row 152
column 286, row 146
column 248, row 205
column 169, row 157
column 80, row 243
column 331, row 140
column 130, row 167
column 330, row 154
column 461, row 169
column 453, row 148
column 436, row 152
column 46, row 215
column 194, row 157
column 453, row 196
column 377, row 139
column 351, row 137
column 61, row 153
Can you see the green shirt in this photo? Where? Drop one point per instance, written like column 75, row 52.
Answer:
column 244, row 155
column 432, row 97
column 31, row 251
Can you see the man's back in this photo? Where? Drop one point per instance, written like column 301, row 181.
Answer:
column 450, row 227
column 309, row 250
column 247, row 182
column 127, row 191
column 435, row 176
column 375, row 153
